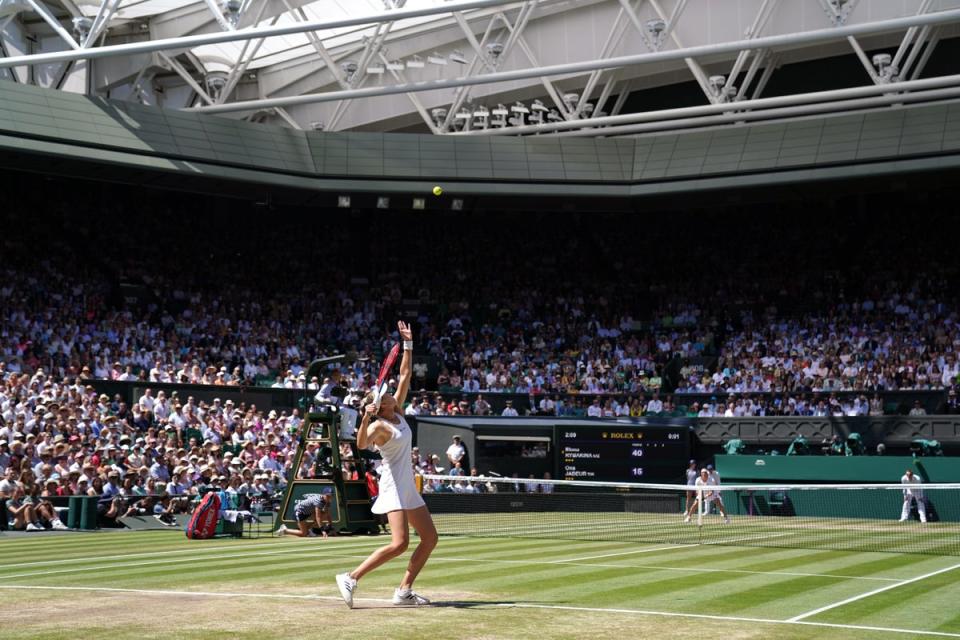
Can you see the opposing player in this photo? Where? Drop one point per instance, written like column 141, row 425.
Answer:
column 383, row 426
column 692, row 475
column 706, row 497
column 912, row 491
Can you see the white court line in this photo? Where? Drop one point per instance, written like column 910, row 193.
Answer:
column 94, row 558
column 315, row 553
column 363, row 544
column 127, row 565
column 662, row 568
column 304, row 549
column 350, row 543
column 667, row 614
column 872, row 593
column 703, row 616
column 203, row 594
column 626, row 553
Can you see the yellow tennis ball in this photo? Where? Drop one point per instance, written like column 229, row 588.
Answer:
column 437, row 191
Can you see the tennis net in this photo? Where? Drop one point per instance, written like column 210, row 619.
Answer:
column 867, row 517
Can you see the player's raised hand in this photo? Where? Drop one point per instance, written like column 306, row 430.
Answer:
column 405, row 331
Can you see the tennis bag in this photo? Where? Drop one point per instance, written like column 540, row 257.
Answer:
column 203, row 522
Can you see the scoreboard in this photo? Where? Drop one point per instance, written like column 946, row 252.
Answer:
column 627, row 453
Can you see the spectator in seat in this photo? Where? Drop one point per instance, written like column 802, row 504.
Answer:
column 30, row 512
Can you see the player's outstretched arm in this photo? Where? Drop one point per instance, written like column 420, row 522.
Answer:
column 406, row 364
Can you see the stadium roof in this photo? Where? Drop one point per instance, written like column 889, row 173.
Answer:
column 464, row 67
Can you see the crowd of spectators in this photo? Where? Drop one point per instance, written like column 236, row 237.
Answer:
column 768, row 310
column 60, row 438
column 516, row 304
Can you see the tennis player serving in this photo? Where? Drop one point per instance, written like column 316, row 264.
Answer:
column 383, row 426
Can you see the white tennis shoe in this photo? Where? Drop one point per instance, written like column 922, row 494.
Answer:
column 347, row 586
column 409, row 598
column 281, row 531
column 686, row 519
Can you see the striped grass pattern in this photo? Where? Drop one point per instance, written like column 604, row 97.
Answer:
column 158, row 584
column 840, row 534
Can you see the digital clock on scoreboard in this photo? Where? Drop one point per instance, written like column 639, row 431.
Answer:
column 623, row 453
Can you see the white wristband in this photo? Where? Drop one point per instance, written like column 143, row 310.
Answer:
column 408, row 345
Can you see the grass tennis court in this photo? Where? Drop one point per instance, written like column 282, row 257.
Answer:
column 151, row 584
column 829, row 534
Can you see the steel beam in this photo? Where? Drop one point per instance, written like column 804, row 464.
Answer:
column 758, row 57
column 739, row 108
column 48, row 17
column 790, row 39
column 621, row 98
column 773, row 59
column 922, row 62
column 461, row 94
column 767, row 9
column 787, row 112
column 918, row 44
column 185, row 42
column 399, row 75
column 614, row 37
column 286, row 117
column 180, row 71
column 218, row 16
column 100, row 22
column 321, row 50
column 864, row 60
column 698, row 73
column 910, row 35
column 370, row 51
column 547, row 84
column 236, row 73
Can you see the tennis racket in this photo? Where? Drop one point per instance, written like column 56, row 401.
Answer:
column 381, row 389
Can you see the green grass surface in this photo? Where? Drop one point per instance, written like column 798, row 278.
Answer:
column 838, row 534
column 158, row 584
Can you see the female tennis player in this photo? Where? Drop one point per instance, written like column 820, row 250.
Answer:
column 383, row 426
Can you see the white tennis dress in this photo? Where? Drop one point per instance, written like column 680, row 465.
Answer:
column 398, row 490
